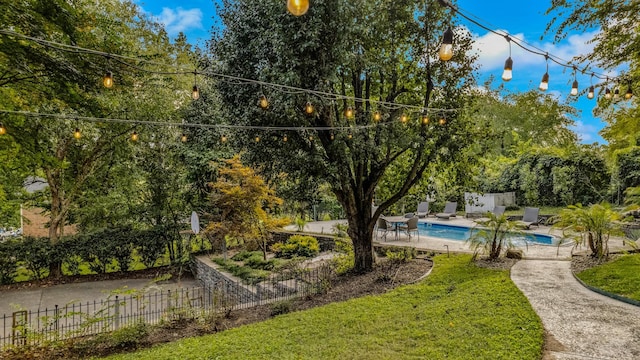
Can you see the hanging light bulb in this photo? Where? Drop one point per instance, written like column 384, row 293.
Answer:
column 107, row 80
column 263, row 102
column 195, row 93
column 574, row 88
column 349, row 113
column 310, row 137
column 3, row 130
column 544, row 84
column 591, row 93
column 404, row 118
column 349, row 136
column 377, row 116
column 284, row 138
column 425, row 120
column 298, row 7
column 446, row 49
column 442, row 121
column 257, row 138
column 607, row 93
column 183, row 138
column 77, row 134
column 223, row 138
column 629, row 94
column 308, row 108
column 332, row 136
column 507, row 74
column 616, row 93
column 134, row 136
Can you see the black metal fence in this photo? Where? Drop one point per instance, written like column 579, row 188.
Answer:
column 100, row 316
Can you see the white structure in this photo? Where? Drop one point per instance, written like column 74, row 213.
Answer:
column 481, row 203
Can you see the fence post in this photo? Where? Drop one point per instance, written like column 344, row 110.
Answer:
column 116, row 313
column 56, row 317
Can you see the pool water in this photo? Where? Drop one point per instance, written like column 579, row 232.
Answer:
column 462, row 233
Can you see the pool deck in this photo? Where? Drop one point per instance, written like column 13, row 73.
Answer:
column 427, row 243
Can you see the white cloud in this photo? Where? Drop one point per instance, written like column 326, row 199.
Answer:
column 493, row 49
column 585, row 132
column 179, row 19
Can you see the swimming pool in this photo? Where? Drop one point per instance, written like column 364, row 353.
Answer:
column 462, row 233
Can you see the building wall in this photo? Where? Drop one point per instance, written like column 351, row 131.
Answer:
column 35, row 222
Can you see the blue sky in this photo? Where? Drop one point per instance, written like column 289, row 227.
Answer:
column 524, row 20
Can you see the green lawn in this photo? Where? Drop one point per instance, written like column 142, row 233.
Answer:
column 621, row 276
column 459, row 312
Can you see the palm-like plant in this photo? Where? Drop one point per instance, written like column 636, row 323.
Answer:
column 591, row 226
column 493, row 236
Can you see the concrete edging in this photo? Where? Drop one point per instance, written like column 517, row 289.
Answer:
column 606, row 293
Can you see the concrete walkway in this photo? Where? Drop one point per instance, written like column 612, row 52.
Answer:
column 585, row 324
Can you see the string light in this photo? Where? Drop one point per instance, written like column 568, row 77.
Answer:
column 591, row 93
column 134, row 136
column 544, row 84
column 77, row 134
column 507, row 74
column 404, row 118
column 616, row 92
column 298, row 7
column 446, row 49
column 3, row 130
column 284, row 138
column 607, row 93
column 349, row 135
column 195, row 92
column 257, row 139
column 377, row 116
column 183, row 138
column 574, row 86
column 107, row 80
column 348, row 113
column 425, row 120
column 263, row 102
column 308, row 108
column 629, row 94
column 332, row 136
column 223, row 139
column 442, row 121
column 310, row 137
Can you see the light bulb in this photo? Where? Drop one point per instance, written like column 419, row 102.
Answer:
column 349, row 136
column 446, row 49
column 425, row 120
column 195, row 93
column 310, row 137
column 348, row 113
column 616, row 93
column 591, row 92
column 629, row 94
column 77, row 134
column 607, row 93
column 3, row 130
column 284, row 138
column 257, row 138
column 223, row 138
column 107, row 80
column 377, row 116
column 134, row 136
column 544, row 84
column 298, row 7
column 308, row 108
column 574, row 88
column 404, row 118
column 183, row 138
column 263, row 102
column 507, row 74
column 442, row 121
column 332, row 136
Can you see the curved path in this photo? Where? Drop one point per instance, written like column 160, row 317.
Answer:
column 580, row 323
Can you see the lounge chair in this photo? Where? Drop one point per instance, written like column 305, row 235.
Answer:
column 497, row 211
column 411, row 226
column 529, row 218
column 449, row 210
column 384, row 227
column 423, row 209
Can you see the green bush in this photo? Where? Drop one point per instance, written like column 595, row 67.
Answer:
column 258, row 262
column 297, row 245
column 8, row 263
column 243, row 255
column 36, row 254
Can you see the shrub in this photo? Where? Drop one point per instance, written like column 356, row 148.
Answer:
column 297, row 245
column 257, row 262
column 37, row 254
column 8, row 263
column 280, row 307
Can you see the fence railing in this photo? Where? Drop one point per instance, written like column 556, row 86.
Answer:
column 100, row 316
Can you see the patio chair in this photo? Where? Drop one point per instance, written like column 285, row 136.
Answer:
column 423, row 209
column 383, row 227
column 530, row 218
column 449, row 210
column 497, row 211
column 411, row 226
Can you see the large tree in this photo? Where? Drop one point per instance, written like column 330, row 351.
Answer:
column 368, row 52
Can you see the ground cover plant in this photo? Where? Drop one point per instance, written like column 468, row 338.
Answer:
column 459, row 311
column 619, row 276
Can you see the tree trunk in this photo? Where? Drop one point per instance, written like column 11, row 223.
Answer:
column 361, row 233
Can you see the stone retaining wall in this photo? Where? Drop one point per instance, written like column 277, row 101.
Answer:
column 205, row 272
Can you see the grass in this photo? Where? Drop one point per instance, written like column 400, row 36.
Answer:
column 620, row 276
column 460, row 312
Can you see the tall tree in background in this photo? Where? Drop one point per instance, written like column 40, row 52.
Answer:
column 372, row 50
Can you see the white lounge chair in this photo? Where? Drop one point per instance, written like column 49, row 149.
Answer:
column 423, row 209
column 497, row 211
column 449, row 210
column 529, row 218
